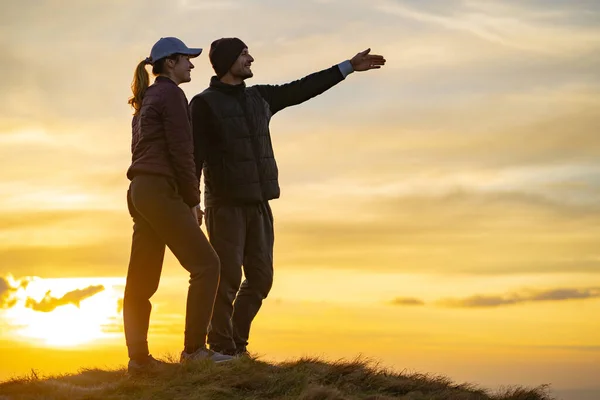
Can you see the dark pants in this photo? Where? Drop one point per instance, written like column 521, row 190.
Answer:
column 242, row 236
column 161, row 217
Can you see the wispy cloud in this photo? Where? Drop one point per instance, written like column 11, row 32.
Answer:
column 485, row 301
column 507, row 25
column 49, row 303
column 452, row 163
column 406, row 301
column 210, row 5
column 448, row 234
column 447, row 231
column 105, row 256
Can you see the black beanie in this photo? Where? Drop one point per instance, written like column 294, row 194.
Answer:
column 223, row 53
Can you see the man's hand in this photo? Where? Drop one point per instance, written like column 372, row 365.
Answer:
column 364, row 61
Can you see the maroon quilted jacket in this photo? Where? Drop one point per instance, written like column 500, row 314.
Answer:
column 162, row 141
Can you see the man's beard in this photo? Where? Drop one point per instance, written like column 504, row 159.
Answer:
column 243, row 73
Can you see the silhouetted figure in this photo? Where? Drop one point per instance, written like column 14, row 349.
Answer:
column 163, row 200
column 233, row 147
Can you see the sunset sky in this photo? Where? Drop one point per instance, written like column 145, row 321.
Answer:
column 440, row 215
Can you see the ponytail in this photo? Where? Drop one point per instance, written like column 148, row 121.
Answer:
column 140, row 83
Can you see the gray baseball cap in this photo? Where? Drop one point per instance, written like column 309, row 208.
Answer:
column 168, row 46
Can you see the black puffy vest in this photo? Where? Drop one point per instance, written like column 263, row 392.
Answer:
column 240, row 168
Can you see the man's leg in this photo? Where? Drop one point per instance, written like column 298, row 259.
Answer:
column 156, row 199
column 226, row 227
column 143, row 276
column 258, row 271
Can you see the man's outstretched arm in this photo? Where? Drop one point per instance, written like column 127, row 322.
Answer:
column 281, row 96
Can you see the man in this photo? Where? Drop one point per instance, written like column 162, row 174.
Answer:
column 233, row 147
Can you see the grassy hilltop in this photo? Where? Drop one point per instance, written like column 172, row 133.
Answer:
column 305, row 379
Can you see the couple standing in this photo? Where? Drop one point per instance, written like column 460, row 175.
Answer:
column 224, row 132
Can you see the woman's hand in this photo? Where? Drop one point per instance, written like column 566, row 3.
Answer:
column 198, row 214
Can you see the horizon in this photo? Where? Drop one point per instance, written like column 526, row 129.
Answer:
column 441, row 214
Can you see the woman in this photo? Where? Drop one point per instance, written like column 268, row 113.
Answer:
column 163, row 200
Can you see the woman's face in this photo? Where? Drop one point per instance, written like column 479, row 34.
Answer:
column 180, row 69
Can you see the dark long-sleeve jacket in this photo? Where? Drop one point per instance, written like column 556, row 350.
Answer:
column 232, row 139
column 162, row 141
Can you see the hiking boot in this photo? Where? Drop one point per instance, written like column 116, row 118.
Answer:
column 145, row 364
column 205, row 354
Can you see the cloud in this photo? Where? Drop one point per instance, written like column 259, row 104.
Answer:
column 443, row 231
column 8, row 288
column 406, row 301
column 450, row 140
column 528, row 29
column 566, row 294
column 6, row 294
column 453, row 153
column 104, row 258
column 483, row 301
column 49, row 303
column 210, row 5
column 460, row 232
column 479, row 301
column 38, row 219
column 55, row 243
column 39, row 78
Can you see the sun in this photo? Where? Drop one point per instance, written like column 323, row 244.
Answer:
column 70, row 324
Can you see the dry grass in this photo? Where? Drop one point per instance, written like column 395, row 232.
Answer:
column 305, row 379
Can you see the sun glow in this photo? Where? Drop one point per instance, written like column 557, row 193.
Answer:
column 65, row 312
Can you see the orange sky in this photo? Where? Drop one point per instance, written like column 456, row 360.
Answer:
column 441, row 214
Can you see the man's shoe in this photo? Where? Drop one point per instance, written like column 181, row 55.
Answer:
column 205, row 354
column 237, row 353
column 146, row 364
column 226, row 351
column 242, row 353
